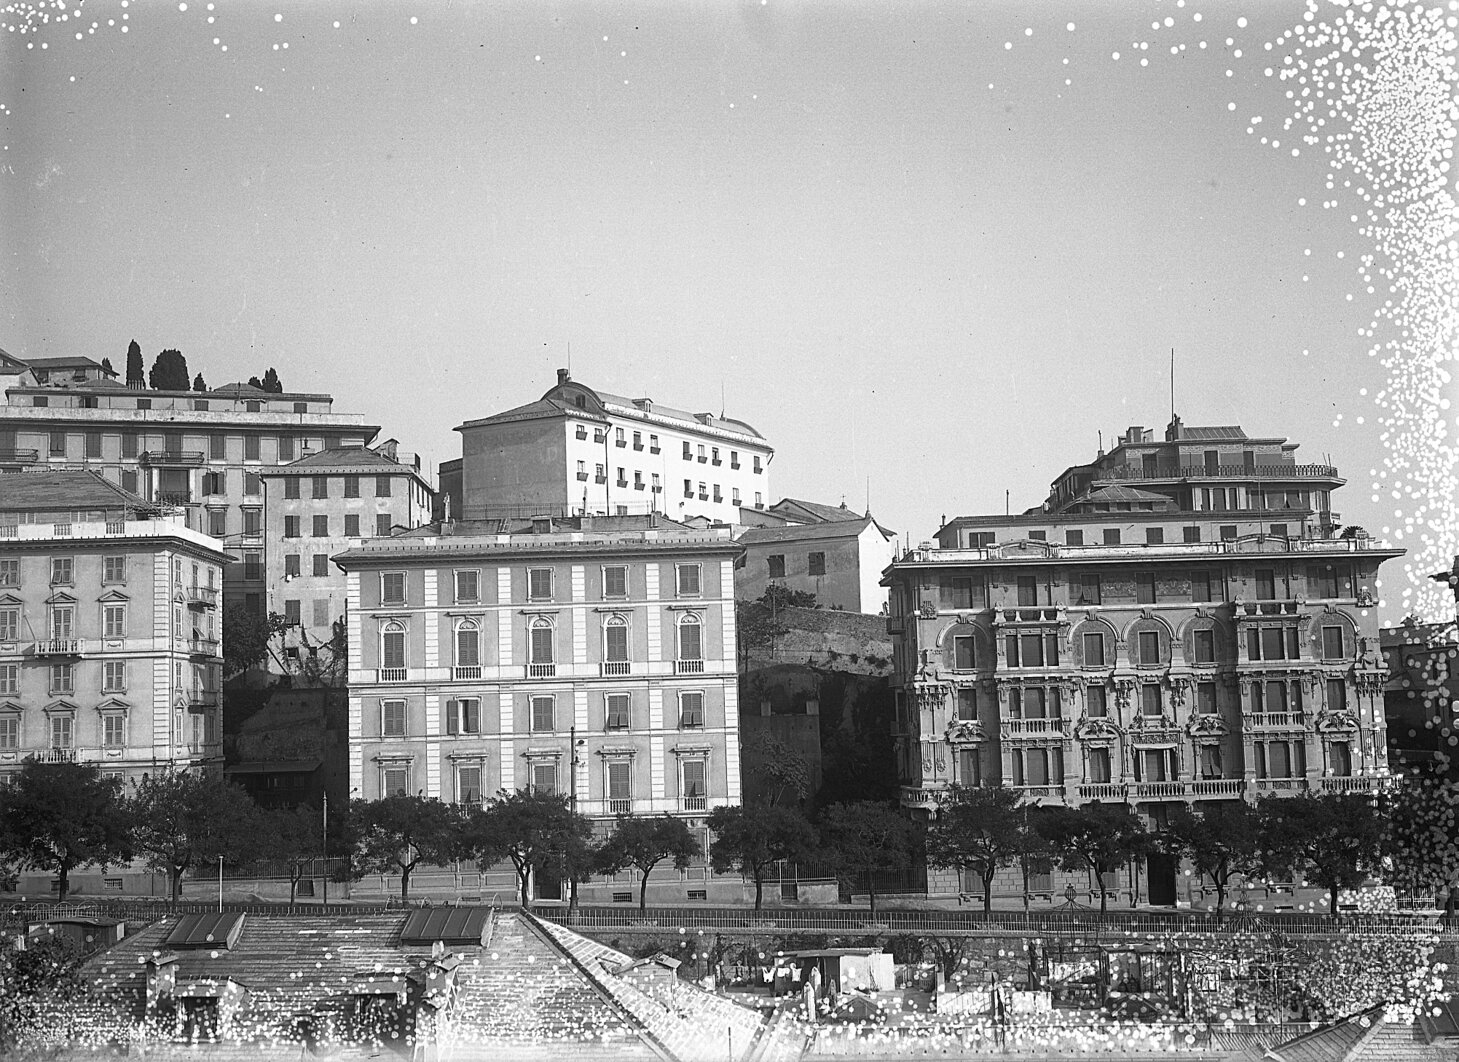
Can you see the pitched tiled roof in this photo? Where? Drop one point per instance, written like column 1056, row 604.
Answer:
column 341, row 459
column 1214, row 433
column 1121, row 494
column 63, row 363
column 757, row 536
column 53, row 491
column 543, row 407
column 813, row 511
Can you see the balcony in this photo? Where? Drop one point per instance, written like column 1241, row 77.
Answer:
column 620, row 806
column 202, row 645
column 615, row 668
column 203, row 698
column 172, row 458
column 172, row 498
column 390, row 674
column 1217, row 787
column 1350, row 785
column 896, row 624
column 1159, row 790
column 654, row 449
column 1267, row 608
column 542, row 670
column 638, row 446
column 1277, row 721
column 600, row 479
column 582, row 477
column 1016, row 728
column 57, row 647
column 1218, row 472
column 622, row 483
column 202, row 597
column 55, row 755
column 1280, row 785
column 1102, row 791
column 696, row 803
column 466, row 671
column 688, row 667
column 19, row 457
column 1040, row 792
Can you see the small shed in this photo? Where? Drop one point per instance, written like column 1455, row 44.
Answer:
column 834, row 971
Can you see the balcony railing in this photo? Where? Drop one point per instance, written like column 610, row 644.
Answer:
column 696, row 803
column 688, row 667
column 1350, row 785
column 617, row 667
column 173, row 458
column 1033, row 727
column 621, row 806
column 1280, row 785
column 1159, row 790
column 1036, row 792
column 202, row 596
column 58, row 647
column 1217, row 787
column 202, row 645
column 542, row 670
column 1268, row 608
column 1102, row 791
column 19, row 457
column 390, row 674
column 1218, row 472
column 204, row 698
column 1277, row 720
column 466, row 671
column 56, row 755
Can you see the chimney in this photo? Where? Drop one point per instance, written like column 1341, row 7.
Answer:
column 563, row 377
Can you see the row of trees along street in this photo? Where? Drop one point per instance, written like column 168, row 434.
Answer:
column 56, row 817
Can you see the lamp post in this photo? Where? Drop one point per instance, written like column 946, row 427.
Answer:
column 324, row 825
column 572, row 803
column 220, row 884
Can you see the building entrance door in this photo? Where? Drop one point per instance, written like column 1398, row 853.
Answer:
column 1160, row 876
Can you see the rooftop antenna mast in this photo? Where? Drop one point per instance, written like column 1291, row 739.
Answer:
column 721, row 398
column 1172, row 383
column 569, row 357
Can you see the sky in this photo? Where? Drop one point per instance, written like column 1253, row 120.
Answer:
column 934, row 252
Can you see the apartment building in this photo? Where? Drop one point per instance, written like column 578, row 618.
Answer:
column 580, row 450
column 110, row 640
column 591, row 656
column 1206, row 636
column 318, row 506
column 829, row 551
column 203, row 451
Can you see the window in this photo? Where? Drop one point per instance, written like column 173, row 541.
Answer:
column 9, row 624
column 1093, row 649
column 468, row 644
column 691, row 710
column 463, row 716
column 541, row 634
column 1337, row 695
column 688, row 488
column 321, row 527
column 583, row 471
column 963, row 653
column 321, row 565
column 1333, row 647
column 352, row 525
column 467, row 587
column 1206, row 703
column 1150, row 701
column 58, row 444
column 61, row 571
column 544, row 779
column 291, row 564
column 392, row 718
column 1073, row 538
column 620, row 786
column 392, row 645
column 544, row 714
column 9, row 678
column 1145, row 588
column 1205, row 646
column 252, row 564
column 703, row 492
column 286, row 448
column 1028, row 591
column 687, row 579
column 113, row 676
column 9, row 732
column 776, row 564
column 1087, row 591
column 320, row 486
column 1279, row 530
column 653, row 444
column 63, row 680
column 967, row 703
column 129, row 480
column 756, row 467
column 1228, row 532
column 250, row 448
column 688, row 452
column 1098, row 773
column 1096, row 702
column 291, row 527
column 1202, row 586
column 1111, row 536
column 615, row 640
column 963, row 592
column 1032, row 767
column 1266, row 584
column 691, row 638
column 1155, row 765
column 392, row 588
column 1191, row 534
column 114, row 621
column 10, row 571
column 699, row 452
column 63, row 622
column 113, row 730
column 93, row 444
column 539, row 584
column 382, row 486
column 622, row 477
column 61, row 727
column 352, row 486
column 322, row 612
column 292, row 613
column 468, row 785
column 291, row 487
column 615, row 580
column 618, row 437
column 693, row 785
column 382, row 525
column 1038, row 536
column 395, row 781
column 1148, row 643
column 816, row 564
column 1339, row 759
column 252, row 484
column 1154, row 536
column 616, row 711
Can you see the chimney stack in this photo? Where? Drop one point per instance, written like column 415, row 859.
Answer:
column 562, row 377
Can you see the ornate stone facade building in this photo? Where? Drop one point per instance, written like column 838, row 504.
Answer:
column 1208, row 636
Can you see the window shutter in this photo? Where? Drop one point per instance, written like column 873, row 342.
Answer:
column 453, row 717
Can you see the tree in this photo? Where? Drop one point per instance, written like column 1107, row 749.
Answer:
column 254, row 381
column 136, row 376
column 1220, row 842
column 1335, row 839
column 982, row 830
column 198, row 384
column 751, row 839
column 106, row 367
column 38, row 983
column 398, row 833
column 271, row 382
column 1099, row 838
column 187, row 821
column 642, row 842
column 778, row 767
column 246, row 637
column 865, row 838
column 169, row 372
column 1421, row 839
column 534, row 829
column 296, row 836
column 58, row 816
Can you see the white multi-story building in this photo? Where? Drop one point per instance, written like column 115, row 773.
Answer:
column 579, row 450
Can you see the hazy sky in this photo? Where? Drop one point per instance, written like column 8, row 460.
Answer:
column 934, row 248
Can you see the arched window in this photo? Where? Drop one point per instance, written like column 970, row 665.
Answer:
column 392, row 644
column 691, row 637
column 615, row 640
column 468, row 643
column 541, row 632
